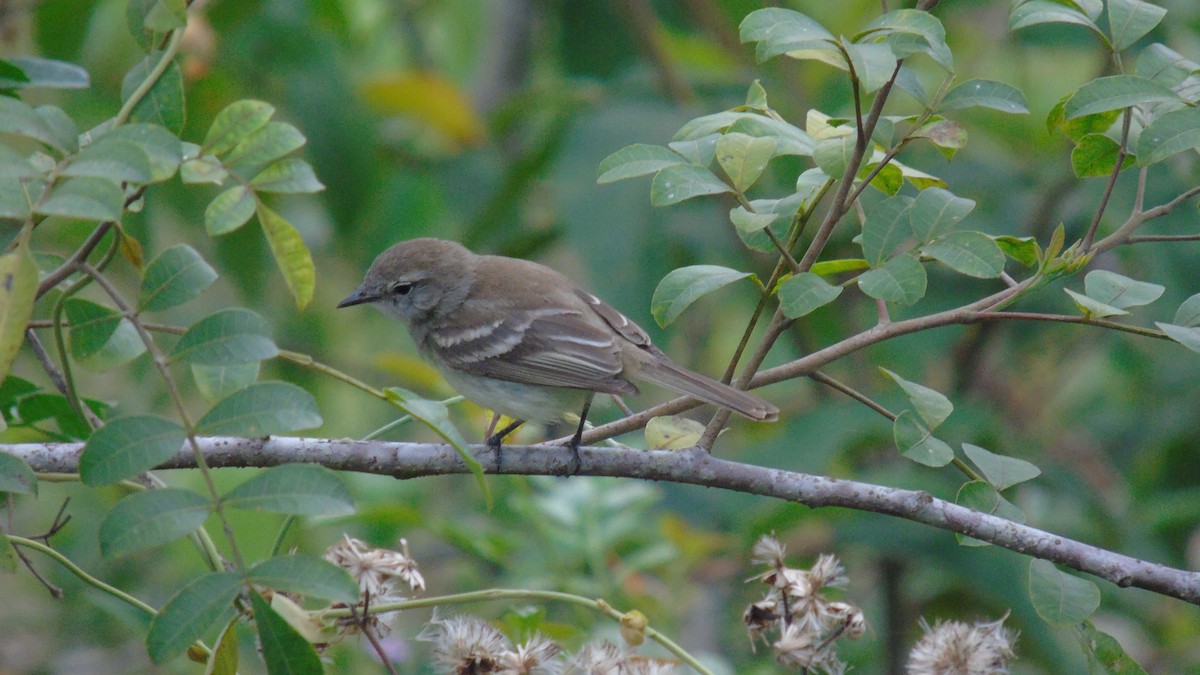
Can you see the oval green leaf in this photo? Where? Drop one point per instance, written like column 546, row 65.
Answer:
column 1187, row 336
column 163, row 104
column 86, row 198
column 917, row 443
column 886, row 227
column 114, row 159
column 230, row 336
column 1060, row 598
column 291, row 175
column 163, row 148
column 930, row 404
column 293, row 489
column 1169, row 134
column 144, row 520
column 980, row 496
column 235, row 122
column 1096, row 155
column 778, row 31
column 284, row 649
column 805, row 292
column 291, row 255
column 176, row 276
column 18, row 289
column 971, row 253
column 1130, row 20
column 191, row 613
column 1120, row 291
column 636, row 160
column 306, row 575
column 985, row 94
column 1001, row 471
column 744, row 157
column 681, row 182
column 127, row 446
column 217, row 382
column 229, row 210
column 683, row 286
column 92, row 326
column 262, row 409
column 1115, row 92
column 936, row 211
column 263, row 146
column 15, row 475
column 901, row 279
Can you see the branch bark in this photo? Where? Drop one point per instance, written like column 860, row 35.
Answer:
column 695, row 467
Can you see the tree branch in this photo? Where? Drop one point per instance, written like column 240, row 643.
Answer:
column 695, row 467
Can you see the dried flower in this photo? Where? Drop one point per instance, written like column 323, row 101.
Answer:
column 378, row 571
column 958, row 648
column 603, row 658
column 465, row 645
column 768, row 551
column 827, row 572
column 538, row 656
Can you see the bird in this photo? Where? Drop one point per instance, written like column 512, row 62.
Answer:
column 523, row 340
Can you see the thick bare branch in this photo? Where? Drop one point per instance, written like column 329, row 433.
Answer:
column 415, row 460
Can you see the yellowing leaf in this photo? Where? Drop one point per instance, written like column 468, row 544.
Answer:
column 429, row 98
column 291, row 255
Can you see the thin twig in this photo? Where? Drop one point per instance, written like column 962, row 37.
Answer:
column 1122, row 152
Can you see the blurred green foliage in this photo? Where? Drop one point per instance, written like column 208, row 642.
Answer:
column 485, row 122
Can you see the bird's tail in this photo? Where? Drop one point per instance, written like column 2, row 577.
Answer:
column 659, row 370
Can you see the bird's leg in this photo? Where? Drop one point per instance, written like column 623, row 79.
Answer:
column 493, row 441
column 575, row 440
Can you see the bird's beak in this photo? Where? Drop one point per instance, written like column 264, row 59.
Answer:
column 360, row 296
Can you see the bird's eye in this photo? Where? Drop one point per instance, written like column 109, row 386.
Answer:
column 402, row 288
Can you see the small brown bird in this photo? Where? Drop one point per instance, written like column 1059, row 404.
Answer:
column 519, row 338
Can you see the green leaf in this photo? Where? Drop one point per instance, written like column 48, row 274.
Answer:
column 1024, row 250
column 748, row 223
column 873, row 64
column 1096, row 154
column 191, row 613
column 789, row 139
column 113, row 159
column 982, row 497
column 1188, row 314
column 1001, row 471
column 700, row 151
column 681, row 287
column 804, row 292
column 18, row 289
column 833, row 155
column 66, row 134
column 886, row 227
column 217, row 382
column 1075, row 129
column 224, row 660
column 972, row 253
column 636, row 160
column 88, row 198
column 1060, row 598
column 19, row 119
column 829, row 267
column 38, row 407
column 1187, row 336
column 672, row 432
column 122, row 347
column 148, row 519
column 985, row 94
column 229, row 210
column 263, row 146
column 918, row 443
column 1091, row 308
column 1120, row 291
column 901, row 279
column 1130, row 20
column 307, row 575
column 930, row 404
column 889, row 180
column 756, row 97
column 911, row 31
column 166, row 15
column 1104, row 651
column 1044, row 11
column 230, row 336
column 14, row 165
column 778, row 31
column 284, row 650
column 49, row 73
column 127, row 446
column 293, row 489
column 936, row 211
column 948, row 136
column 234, row 123
column 436, row 416
column 262, row 409
column 744, row 158
column 162, row 147
column 163, row 104
column 1168, row 134
column 291, row 255
column 15, row 475
column 1114, row 93
column 291, row 175
column 1165, row 65
column 176, row 276
column 92, row 326
column 206, row 169
column 680, row 182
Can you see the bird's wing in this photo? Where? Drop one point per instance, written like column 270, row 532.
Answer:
column 551, row 346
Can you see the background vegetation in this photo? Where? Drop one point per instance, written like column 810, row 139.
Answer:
column 485, row 122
